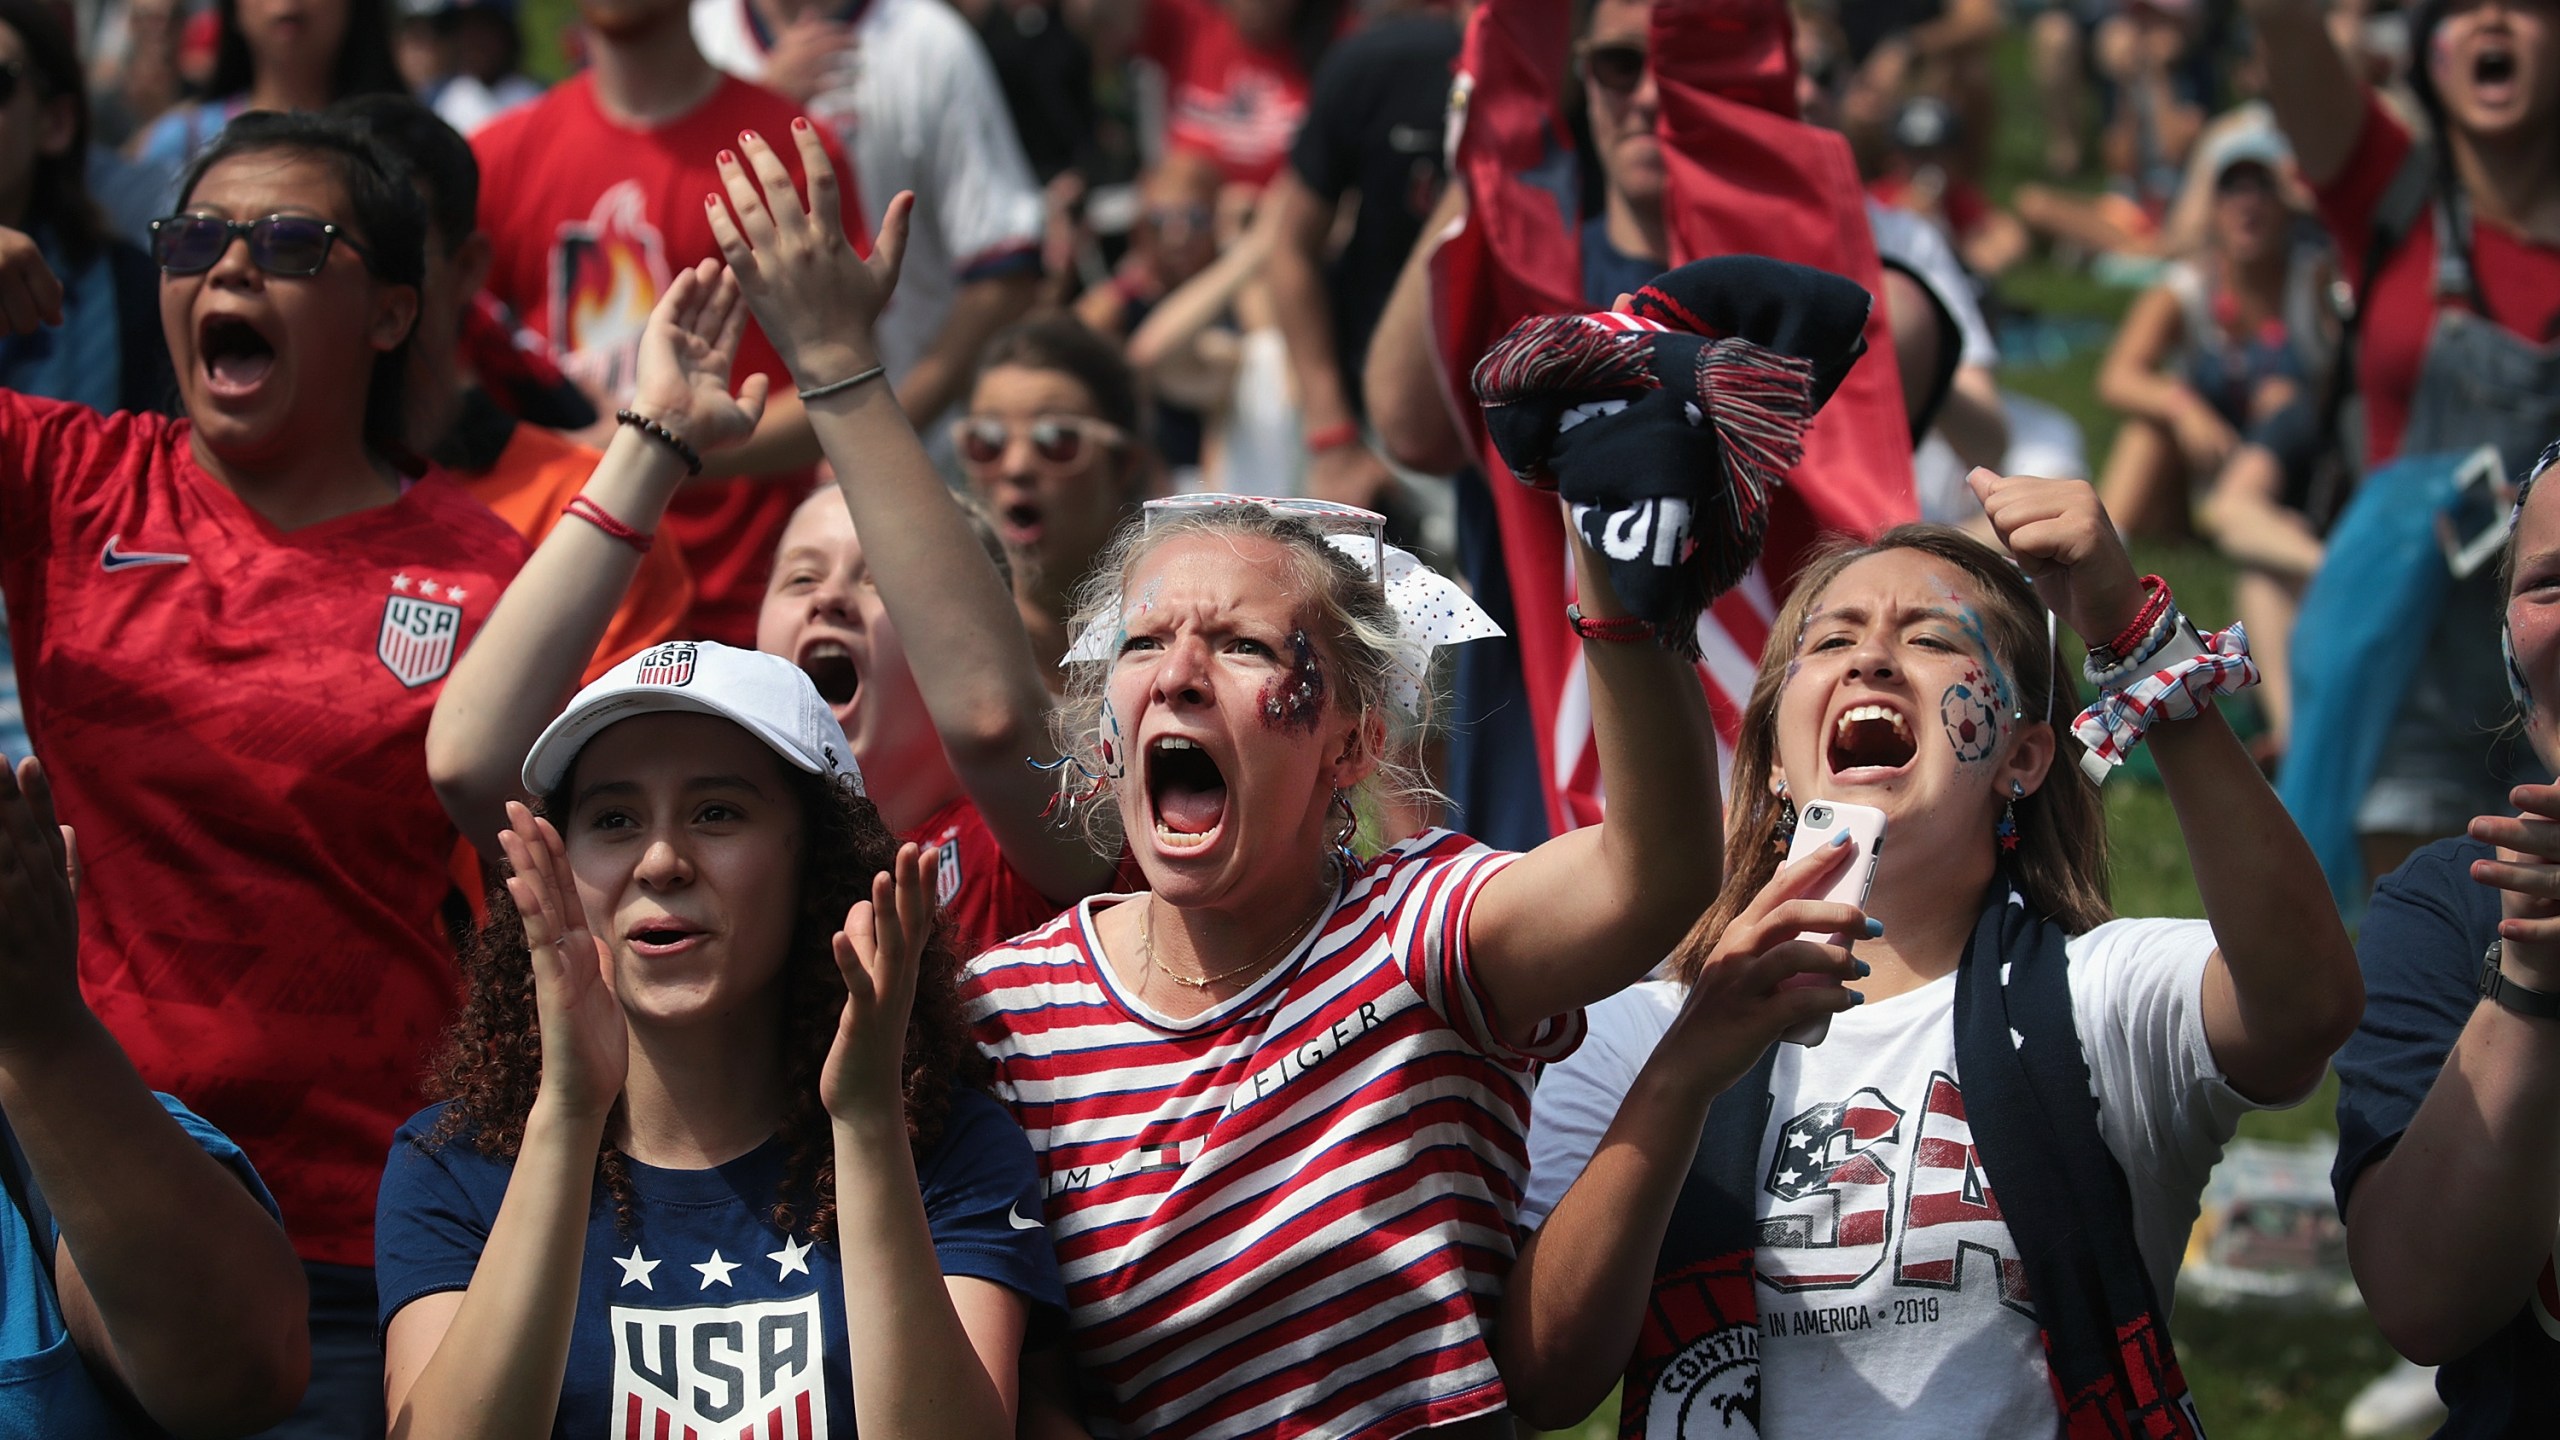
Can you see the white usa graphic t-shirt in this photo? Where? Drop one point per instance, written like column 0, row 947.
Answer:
column 1891, row 1298
column 696, row 1317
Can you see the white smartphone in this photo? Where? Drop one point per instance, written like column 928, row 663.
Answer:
column 2472, row 528
column 1815, row 825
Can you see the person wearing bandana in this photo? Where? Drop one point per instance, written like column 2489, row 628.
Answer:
column 1961, row 1213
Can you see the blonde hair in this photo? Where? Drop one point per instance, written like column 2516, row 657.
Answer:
column 1354, row 630
column 2060, row 865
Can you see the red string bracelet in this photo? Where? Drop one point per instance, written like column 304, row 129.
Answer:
column 1617, row 630
column 594, row 514
column 2155, row 601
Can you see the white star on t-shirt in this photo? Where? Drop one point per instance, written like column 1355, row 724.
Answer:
column 428, row 588
column 635, row 1269
column 453, row 593
column 715, row 1271
column 400, row 583
column 1787, row 1177
column 793, row 1257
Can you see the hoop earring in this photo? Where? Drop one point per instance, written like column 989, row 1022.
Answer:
column 1348, row 825
column 2006, row 831
column 1785, row 833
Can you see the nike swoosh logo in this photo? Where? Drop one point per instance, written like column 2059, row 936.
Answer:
column 1013, row 1217
column 112, row 559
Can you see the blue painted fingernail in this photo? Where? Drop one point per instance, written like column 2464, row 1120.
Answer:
column 1857, row 997
column 1860, row 969
column 1840, row 839
column 1875, row 928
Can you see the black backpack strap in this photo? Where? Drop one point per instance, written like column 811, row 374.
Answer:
column 2403, row 201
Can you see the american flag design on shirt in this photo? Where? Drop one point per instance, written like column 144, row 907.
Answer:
column 1290, row 1214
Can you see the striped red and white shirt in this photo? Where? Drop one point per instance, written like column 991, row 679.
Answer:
column 1291, row 1213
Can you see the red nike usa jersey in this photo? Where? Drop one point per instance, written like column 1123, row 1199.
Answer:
column 235, row 720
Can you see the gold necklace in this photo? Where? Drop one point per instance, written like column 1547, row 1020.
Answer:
column 1147, row 945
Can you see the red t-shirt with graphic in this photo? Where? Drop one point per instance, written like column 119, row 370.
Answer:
column 589, row 220
column 2520, row 279
column 986, row 899
column 235, row 720
column 1226, row 98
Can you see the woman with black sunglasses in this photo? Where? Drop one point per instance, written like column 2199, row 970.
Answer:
column 230, row 630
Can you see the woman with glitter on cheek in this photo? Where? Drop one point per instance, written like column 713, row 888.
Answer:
column 1279, row 1005
column 1915, row 1202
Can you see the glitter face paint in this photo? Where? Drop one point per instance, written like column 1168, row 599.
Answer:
column 1293, row 700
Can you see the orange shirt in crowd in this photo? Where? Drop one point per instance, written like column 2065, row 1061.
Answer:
column 539, row 472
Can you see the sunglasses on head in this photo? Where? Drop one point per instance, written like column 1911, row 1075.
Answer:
column 1325, row 517
column 1615, row 66
column 1056, row 439
column 294, row 245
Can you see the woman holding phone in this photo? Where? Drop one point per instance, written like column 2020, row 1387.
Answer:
column 1919, row 1205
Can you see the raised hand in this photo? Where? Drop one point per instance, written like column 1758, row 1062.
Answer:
column 585, row 1049
column 879, row 952
column 2527, row 877
column 30, row 296
column 817, row 300
column 2068, row 548
column 1762, row 980
column 686, row 352
column 39, row 926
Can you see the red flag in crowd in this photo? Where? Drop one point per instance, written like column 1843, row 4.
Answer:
column 1744, row 177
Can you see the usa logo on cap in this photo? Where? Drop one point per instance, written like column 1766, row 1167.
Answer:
column 669, row 664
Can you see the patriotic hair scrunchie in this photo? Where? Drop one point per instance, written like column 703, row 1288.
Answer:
column 2176, row 688
column 1666, row 428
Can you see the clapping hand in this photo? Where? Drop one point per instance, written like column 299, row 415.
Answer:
column 879, row 952
column 39, row 926
column 2527, row 877
column 2068, row 548
column 585, row 1049
column 816, row 298
column 686, row 352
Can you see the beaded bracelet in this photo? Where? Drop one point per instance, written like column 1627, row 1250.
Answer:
column 2155, row 599
column 596, row 515
column 1618, row 630
column 692, row 459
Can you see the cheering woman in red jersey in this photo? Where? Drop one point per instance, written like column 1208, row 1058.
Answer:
column 229, row 630
column 918, row 646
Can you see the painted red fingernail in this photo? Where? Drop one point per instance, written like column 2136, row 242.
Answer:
column 802, row 123
column 728, row 158
column 745, row 135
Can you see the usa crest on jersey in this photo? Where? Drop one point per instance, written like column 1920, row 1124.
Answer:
column 750, row 1371
column 946, row 878
column 417, row 638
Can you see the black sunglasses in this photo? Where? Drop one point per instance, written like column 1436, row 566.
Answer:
column 294, row 245
column 1617, row 68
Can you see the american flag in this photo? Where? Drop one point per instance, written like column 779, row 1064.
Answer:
column 1745, row 177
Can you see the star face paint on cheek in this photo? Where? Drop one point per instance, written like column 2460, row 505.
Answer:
column 1293, row 700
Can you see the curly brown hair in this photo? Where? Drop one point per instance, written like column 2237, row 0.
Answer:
column 491, row 1064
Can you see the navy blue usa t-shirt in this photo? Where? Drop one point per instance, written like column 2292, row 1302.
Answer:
column 2421, row 946
column 699, row 1317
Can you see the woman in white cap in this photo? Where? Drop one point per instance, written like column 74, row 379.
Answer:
column 714, row 1154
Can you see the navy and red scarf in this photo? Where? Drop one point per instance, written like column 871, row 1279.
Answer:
column 2035, row 1126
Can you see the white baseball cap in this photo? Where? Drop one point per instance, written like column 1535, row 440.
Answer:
column 767, row 694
